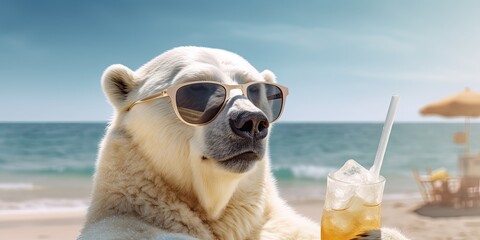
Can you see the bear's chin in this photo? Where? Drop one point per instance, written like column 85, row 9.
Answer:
column 240, row 163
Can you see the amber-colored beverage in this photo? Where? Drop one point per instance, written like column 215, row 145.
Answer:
column 348, row 223
column 351, row 208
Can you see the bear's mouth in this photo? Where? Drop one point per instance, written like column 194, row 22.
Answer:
column 240, row 163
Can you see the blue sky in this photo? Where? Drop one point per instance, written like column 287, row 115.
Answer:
column 342, row 60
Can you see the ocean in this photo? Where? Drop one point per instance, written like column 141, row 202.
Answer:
column 48, row 166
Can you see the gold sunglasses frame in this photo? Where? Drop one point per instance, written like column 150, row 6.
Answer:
column 171, row 93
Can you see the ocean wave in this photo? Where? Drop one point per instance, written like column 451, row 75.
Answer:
column 43, row 206
column 16, row 186
column 88, row 170
column 301, row 172
column 53, row 170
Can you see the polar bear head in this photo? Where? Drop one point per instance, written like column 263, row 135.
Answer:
column 204, row 138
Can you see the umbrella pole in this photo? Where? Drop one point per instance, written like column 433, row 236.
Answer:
column 467, row 136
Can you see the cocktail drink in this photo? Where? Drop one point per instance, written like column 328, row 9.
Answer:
column 352, row 203
column 354, row 194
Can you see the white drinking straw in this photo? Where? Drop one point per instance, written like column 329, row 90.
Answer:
column 382, row 146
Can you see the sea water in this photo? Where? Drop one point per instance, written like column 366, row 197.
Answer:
column 49, row 166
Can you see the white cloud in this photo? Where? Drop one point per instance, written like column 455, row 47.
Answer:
column 445, row 76
column 318, row 38
column 395, row 54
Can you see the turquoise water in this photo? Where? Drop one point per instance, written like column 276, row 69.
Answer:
column 326, row 146
column 50, row 164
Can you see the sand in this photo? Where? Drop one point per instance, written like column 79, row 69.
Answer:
column 396, row 214
column 59, row 225
column 401, row 215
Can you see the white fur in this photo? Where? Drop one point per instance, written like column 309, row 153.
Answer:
column 151, row 181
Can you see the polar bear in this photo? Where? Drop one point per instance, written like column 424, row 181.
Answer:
column 180, row 166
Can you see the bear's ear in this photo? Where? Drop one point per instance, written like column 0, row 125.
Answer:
column 269, row 76
column 117, row 82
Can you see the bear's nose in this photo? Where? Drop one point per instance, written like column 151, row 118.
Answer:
column 250, row 125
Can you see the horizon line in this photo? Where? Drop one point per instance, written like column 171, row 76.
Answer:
column 281, row 122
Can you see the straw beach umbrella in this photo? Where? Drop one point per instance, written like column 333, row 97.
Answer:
column 464, row 104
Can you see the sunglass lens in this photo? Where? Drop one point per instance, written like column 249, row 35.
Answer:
column 199, row 103
column 267, row 97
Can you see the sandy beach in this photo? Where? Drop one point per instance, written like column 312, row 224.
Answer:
column 396, row 214
column 60, row 225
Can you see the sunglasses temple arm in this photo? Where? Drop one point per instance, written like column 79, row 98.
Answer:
column 148, row 99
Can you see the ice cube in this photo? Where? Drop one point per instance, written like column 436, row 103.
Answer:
column 371, row 194
column 353, row 172
column 354, row 180
column 340, row 197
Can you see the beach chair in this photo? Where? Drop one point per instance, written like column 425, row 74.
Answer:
column 430, row 193
column 469, row 165
column 436, row 192
column 426, row 196
column 469, row 192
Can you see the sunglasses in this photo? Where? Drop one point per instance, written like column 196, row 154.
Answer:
column 199, row 103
